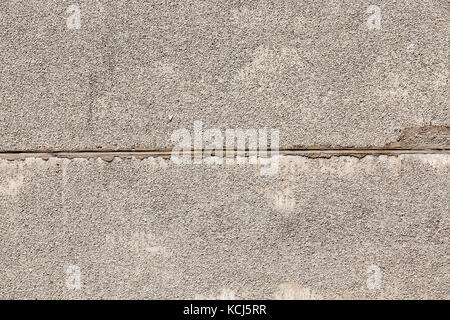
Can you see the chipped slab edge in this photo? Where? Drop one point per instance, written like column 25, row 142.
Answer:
column 437, row 160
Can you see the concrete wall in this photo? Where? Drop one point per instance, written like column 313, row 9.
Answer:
column 92, row 206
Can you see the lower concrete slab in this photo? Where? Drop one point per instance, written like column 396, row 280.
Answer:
column 376, row 227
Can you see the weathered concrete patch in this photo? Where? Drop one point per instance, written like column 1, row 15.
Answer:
column 424, row 137
column 376, row 227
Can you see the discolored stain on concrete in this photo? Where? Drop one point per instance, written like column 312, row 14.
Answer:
column 424, row 137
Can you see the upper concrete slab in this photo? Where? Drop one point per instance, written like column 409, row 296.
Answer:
column 137, row 70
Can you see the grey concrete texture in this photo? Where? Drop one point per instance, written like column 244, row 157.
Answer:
column 138, row 70
column 153, row 229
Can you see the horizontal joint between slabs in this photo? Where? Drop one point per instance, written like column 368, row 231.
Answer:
column 322, row 152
